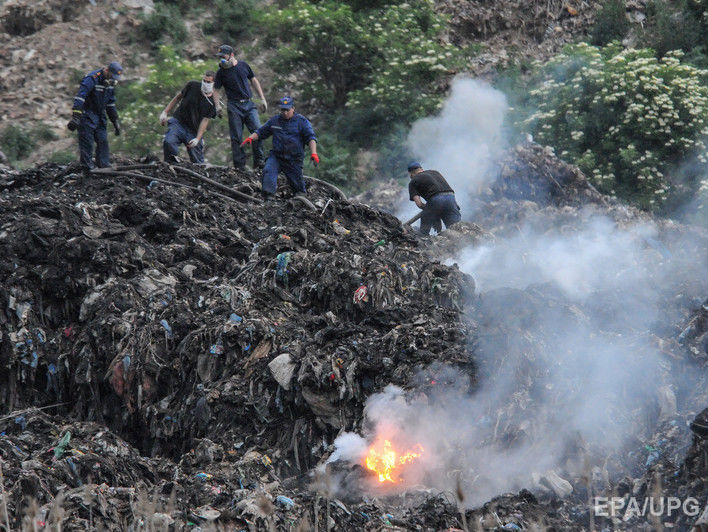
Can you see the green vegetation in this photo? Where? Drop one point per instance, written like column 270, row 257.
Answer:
column 17, row 142
column 629, row 121
column 163, row 25
column 232, row 19
column 611, row 23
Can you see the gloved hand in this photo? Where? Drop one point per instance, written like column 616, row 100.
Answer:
column 73, row 124
column 192, row 143
column 163, row 118
column 248, row 141
column 116, row 126
column 219, row 113
column 264, row 106
column 315, row 158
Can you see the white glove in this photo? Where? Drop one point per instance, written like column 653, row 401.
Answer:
column 163, row 118
column 192, row 143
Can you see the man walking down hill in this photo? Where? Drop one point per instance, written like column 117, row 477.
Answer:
column 94, row 100
column 236, row 77
column 187, row 126
column 291, row 132
column 440, row 203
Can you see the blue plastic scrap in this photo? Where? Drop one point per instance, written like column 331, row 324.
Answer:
column 168, row 329
column 235, row 318
column 287, row 502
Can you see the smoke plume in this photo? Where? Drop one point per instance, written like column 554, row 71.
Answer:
column 568, row 362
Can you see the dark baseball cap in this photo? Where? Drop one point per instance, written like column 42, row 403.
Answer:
column 115, row 69
column 413, row 165
column 286, row 102
column 225, row 51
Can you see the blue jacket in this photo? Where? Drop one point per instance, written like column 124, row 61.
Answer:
column 289, row 136
column 95, row 99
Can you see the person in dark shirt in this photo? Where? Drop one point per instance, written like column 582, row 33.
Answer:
column 440, row 204
column 189, row 122
column 291, row 132
column 234, row 75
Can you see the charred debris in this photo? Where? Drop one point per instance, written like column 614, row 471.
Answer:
column 176, row 354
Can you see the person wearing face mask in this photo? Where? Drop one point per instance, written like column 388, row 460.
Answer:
column 291, row 132
column 189, row 122
column 234, row 75
column 95, row 99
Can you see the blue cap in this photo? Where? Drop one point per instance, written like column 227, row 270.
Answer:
column 225, row 51
column 286, row 103
column 115, row 69
column 413, row 165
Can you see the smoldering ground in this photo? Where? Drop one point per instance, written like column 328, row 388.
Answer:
column 568, row 365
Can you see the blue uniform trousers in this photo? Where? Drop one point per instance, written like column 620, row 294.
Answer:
column 441, row 207
column 88, row 135
column 241, row 113
column 291, row 169
column 178, row 134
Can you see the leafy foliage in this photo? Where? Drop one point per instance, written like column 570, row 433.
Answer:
column 164, row 24
column 611, row 23
column 627, row 119
column 232, row 19
column 386, row 60
column 17, row 142
column 672, row 27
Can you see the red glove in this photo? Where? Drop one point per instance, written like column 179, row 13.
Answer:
column 248, row 140
column 315, row 158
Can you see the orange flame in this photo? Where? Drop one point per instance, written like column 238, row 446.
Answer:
column 383, row 459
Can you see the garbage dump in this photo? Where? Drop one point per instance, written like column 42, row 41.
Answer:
column 176, row 354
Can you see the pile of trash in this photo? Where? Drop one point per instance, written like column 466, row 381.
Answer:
column 175, row 353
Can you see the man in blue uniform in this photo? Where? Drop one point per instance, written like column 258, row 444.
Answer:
column 435, row 190
column 94, row 100
column 187, row 126
column 291, row 131
column 234, row 75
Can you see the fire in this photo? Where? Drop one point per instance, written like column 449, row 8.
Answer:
column 383, row 459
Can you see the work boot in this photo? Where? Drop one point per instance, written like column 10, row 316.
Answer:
column 268, row 198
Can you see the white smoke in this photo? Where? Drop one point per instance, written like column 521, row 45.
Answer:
column 566, row 358
column 463, row 141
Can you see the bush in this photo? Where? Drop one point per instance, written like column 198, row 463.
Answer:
column 62, row 157
column 611, row 23
column 626, row 119
column 672, row 27
column 385, row 60
column 232, row 19
column 164, row 24
column 17, row 142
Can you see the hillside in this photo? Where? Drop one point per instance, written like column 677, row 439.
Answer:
column 58, row 41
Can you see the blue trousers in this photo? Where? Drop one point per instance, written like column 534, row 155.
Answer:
column 178, row 134
column 441, row 207
column 291, row 169
column 241, row 113
column 87, row 136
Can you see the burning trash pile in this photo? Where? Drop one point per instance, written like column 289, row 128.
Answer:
column 176, row 354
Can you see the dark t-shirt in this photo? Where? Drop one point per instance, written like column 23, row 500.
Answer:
column 194, row 106
column 235, row 81
column 426, row 184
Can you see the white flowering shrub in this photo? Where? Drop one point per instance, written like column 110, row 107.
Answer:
column 631, row 122
column 383, row 58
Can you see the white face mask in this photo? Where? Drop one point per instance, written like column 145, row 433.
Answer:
column 207, row 88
